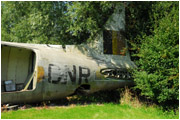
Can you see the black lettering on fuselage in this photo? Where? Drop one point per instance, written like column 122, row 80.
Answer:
column 81, row 74
column 50, row 76
column 73, row 77
column 55, row 74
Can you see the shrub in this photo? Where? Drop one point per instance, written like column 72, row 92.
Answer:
column 158, row 66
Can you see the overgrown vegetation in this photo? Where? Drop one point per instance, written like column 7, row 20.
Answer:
column 95, row 107
column 157, row 51
column 53, row 22
column 152, row 29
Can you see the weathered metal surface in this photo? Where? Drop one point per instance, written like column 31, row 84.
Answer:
column 49, row 72
column 40, row 74
column 59, row 72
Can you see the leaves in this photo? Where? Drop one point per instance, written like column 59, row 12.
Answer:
column 158, row 62
column 54, row 22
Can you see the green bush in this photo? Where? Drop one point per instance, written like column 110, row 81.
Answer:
column 158, row 65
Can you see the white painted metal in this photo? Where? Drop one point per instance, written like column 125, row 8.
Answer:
column 60, row 72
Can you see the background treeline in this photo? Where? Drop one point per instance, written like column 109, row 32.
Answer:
column 53, row 22
column 152, row 30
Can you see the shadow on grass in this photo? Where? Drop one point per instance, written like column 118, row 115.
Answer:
column 118, row 96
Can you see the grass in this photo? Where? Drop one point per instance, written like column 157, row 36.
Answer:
column 108, row 105
column 92, row 111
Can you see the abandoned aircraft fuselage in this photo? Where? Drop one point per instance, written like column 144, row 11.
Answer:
column 32, row 72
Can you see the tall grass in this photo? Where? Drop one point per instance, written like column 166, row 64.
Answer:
column 128, row 98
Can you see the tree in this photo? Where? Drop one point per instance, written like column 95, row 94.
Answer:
column 87, row 19
column 36, row 22
column 152, row 29
column 54, row 22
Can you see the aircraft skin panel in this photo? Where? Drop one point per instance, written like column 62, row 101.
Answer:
column 29, row 96
column 109, row 85
column 60, row 72
column 40, row 74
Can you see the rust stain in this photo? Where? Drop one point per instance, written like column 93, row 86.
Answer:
column 40, row 74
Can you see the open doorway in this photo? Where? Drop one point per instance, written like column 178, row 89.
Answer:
column 17, row 68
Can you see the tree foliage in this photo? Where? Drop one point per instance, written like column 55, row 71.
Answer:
column 53, row 22
column 35, row 22
column 88, row 18
column 138, row 22
column 152, row 29
column 158, row 51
